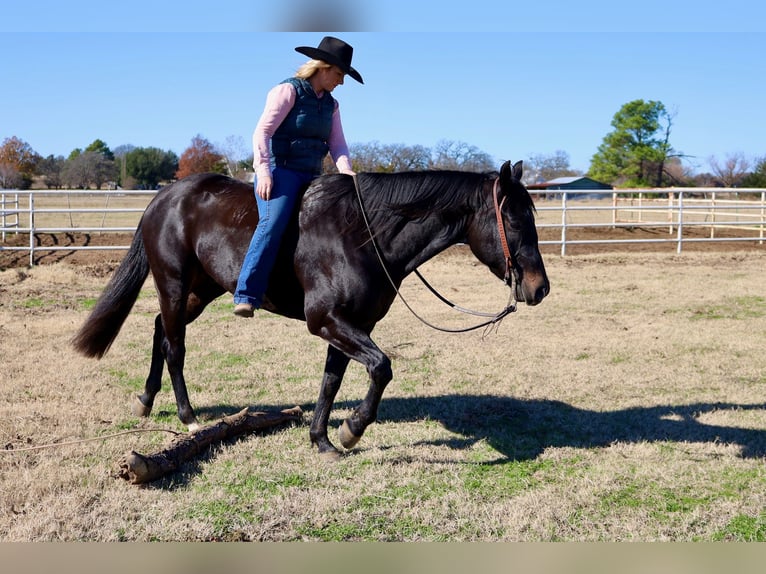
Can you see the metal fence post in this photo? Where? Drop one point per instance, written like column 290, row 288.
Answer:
column 31, row 229
column 563, row 223
column 680, row 220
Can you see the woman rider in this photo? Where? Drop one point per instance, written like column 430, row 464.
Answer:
column 299, row 125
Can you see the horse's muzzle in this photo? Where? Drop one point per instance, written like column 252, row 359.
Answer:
column 532, row 288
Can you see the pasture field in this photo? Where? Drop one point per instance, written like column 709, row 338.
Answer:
column 629, row 406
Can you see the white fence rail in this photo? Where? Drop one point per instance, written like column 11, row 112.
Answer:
column 30, row 213
column 728, row 215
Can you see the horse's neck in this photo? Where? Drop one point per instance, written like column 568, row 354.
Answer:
column 418, row 241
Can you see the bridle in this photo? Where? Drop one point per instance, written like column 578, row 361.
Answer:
column 509, row 277
column 503, row 238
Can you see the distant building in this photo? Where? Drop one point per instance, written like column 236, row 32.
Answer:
column 576, row 183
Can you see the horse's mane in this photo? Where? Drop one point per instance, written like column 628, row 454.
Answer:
column 412, row 196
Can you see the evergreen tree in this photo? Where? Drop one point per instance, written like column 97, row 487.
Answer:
column 635, row 152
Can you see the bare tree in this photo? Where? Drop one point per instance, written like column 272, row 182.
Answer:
column 732, row 170
column 235, row 153
column 88, row 168
column 461, row 156
column 378, row 157
column 677, row 173
column 10, row 177
column 51, row 169
column 545, row 167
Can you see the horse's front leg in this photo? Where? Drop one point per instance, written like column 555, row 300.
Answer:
column 357, row 344
column 335, row 368
column 366, row 413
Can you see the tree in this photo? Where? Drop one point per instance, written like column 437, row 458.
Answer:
column 10, row 178
column 19, row 162
column 388, row 158
column 460, row 156
column 51, row 168
column 88, row 168
column 635, row 152
column 732, row 170
column 678, row 174
column 148, row 166
column 100, row 146
column 757, row 178
column 200, row 157
column 540, row 167
column 119, row 159
column 235, row 154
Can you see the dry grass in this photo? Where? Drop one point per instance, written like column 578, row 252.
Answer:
column 630, row 405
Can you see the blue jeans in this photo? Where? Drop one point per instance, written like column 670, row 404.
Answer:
column 273, row 217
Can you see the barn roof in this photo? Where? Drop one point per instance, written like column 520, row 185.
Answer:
column 576, row 182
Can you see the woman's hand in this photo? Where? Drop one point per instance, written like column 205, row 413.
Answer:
column 263, row 187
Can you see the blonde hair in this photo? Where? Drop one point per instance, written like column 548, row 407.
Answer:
column 309, row 69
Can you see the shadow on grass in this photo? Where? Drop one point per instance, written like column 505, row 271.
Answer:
column 523, row 429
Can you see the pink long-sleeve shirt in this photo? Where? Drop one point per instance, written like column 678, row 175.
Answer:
column 279, row 102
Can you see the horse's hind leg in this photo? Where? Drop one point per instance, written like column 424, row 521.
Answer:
column 169, row 343
column 142, row 406
column 175, row 318
column 335, row 368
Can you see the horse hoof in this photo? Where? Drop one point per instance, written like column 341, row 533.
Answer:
column 346, row 437
column 194, row 427
column 329, row 456
column 140, row 409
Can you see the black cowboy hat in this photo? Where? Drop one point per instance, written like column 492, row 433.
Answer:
column 334, row 52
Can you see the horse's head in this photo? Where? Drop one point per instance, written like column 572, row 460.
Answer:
column 508, row 214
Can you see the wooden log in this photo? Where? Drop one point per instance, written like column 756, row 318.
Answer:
column 140, row 469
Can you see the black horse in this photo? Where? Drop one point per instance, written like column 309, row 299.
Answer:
column 353, row 241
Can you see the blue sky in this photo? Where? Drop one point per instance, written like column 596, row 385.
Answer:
column 511, row 81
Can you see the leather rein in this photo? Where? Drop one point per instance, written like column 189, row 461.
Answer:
column 509, row 278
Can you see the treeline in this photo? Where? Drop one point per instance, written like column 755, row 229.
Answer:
column 129, row 167
column 97, row 166
column 637, row 152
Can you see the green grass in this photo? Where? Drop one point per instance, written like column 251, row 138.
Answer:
column 223, row 517
column 737, row 308
column 88, row 303
column 619, row 358
column 126, row 380
column 491, row 481
column 743, row 528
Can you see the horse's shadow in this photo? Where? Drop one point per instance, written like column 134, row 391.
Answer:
column 521, row 429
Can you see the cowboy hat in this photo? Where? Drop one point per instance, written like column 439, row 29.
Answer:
column 334, row 52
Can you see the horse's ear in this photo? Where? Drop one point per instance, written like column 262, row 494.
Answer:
column 511, row 172
column 518, row 170
column 505, row 171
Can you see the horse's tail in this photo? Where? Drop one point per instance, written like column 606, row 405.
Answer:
column 113, row 306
